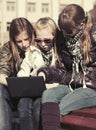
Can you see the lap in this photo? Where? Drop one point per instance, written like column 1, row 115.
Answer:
column 55, row 94
column 79, row 98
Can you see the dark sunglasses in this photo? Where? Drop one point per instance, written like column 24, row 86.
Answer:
column 47, row 41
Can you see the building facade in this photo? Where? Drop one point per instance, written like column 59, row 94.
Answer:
column 32, row 10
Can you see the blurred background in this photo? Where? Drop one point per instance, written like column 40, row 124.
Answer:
column 33, row 10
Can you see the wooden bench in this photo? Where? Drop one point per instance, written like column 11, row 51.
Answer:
column 83, row 119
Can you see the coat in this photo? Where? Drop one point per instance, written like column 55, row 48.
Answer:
column 33, row 61
column 63, row 73
column 6, row 61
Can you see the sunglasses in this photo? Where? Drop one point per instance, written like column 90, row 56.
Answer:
column 47, row 41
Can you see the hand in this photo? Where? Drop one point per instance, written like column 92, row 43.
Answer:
column 3, row 79
column 89, row 83
column 48, row 86
column 42, row 74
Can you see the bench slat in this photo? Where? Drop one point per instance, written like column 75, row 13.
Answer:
column 84, row 119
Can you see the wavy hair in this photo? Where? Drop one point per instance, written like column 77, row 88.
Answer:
column 16, row 27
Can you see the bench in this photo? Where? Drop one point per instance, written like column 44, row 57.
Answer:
column 83, row 119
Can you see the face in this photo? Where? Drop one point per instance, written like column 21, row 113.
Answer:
column 23, row 41
column 44, row 39
column 70, row 33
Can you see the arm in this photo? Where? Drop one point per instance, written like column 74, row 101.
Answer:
column 5, row 64
column 3, row 80
column 90, row 78
column 26, row 66
column 51, row 74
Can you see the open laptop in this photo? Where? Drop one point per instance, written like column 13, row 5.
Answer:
column 26, row 86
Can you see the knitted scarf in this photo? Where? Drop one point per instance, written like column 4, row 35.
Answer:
column 47, row 57
column 76, row 50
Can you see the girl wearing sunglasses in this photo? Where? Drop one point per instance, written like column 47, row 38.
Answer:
column 42, row 53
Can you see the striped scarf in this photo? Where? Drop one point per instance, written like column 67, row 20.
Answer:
column 76, row 50
column 47, row 57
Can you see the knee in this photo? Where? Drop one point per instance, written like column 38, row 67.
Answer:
column 2, row 89
column 25, row 106
column 48, row 96
column 37, row 106
column 37, row 103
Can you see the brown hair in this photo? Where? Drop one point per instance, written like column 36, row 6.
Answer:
column 16, row 27
column 71, row 20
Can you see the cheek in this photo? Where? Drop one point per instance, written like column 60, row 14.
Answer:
column 19, row 45
column 28, row 42
column 50, row 45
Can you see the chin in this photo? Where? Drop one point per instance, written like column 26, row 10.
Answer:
column 46, row 50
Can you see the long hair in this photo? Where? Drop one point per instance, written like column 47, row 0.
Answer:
column 71, row 20
column 16, row 27
column 48, row 23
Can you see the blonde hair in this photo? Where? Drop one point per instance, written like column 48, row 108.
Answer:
column 86, row 38
column 47, row 23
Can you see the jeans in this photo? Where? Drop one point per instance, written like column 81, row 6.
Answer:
column 70, row 100
column 5, row 110
column 29, row 112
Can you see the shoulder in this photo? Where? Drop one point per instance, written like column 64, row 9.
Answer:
column 33, row 53
column 5, row 49
column 34, row 49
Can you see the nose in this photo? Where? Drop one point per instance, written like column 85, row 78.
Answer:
column 23, row 43
column 43, row 43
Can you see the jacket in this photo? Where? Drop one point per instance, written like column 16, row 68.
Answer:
column 32, row 62
column 6, row 61
column 63, row 74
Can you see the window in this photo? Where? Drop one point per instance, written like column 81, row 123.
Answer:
column 45, row 8
column 61, row 7
column 31, row 7
column 10, row 6
column 8, row 26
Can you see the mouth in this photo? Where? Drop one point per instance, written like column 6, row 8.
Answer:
column 45, row 47
column 25, row 48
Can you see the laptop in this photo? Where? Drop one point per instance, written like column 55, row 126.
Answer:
column 26, row 86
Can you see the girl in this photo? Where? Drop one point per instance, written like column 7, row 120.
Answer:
column 78, row 83
column 11, row 55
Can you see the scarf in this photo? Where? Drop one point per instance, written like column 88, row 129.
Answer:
column 76, row 50
column 47, row 57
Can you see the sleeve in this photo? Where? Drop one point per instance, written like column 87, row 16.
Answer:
column 90, row 78
column 26, row 66
column 5, row 64
column 52, row 74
